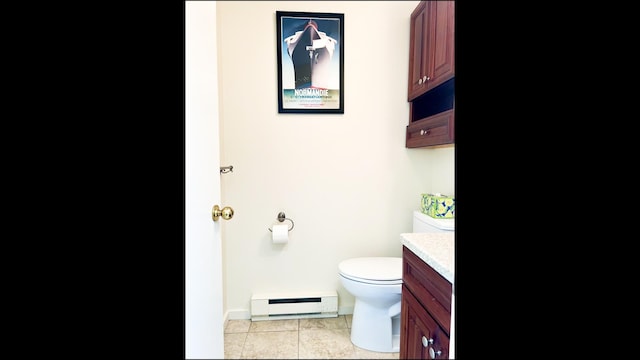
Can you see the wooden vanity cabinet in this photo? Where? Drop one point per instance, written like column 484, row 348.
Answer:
column 431, row 46
column 425, row 311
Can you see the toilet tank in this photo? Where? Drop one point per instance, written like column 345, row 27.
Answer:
column 424, row 224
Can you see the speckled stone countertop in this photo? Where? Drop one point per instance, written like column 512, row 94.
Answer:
column 436, row 249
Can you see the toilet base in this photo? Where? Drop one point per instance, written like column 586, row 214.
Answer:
column 372, row 328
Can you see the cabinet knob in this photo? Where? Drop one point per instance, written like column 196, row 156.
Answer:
column 425, row 78
column 426, row 342
column 420, row 81
column 424, row 132
column 433, row 354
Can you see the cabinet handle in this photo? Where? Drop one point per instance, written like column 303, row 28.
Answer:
column 425, row 132
column 432, row 353
column 423, row 80
column 426, row 342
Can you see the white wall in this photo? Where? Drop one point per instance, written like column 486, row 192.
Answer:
column 347, row 180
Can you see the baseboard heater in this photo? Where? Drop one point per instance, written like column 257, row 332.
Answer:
column 275, row 306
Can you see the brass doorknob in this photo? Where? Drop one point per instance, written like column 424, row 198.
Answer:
column 226, row 212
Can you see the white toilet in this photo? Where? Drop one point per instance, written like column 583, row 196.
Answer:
column 376, row 284
column 423, row 223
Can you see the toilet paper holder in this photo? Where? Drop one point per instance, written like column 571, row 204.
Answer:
column 282, row 217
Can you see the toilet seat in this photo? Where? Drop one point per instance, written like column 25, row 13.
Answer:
column 373, row 270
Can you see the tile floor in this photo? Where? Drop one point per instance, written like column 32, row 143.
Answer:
column 322, row 338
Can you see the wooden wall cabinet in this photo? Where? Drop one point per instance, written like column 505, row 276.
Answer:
column 431, row 75
column 431, row 49
column 425, row 310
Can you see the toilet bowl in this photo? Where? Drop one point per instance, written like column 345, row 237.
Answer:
column 376, row 284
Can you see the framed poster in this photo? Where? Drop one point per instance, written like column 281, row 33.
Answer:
column 310, row 62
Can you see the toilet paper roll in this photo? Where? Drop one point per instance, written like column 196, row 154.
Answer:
column 280, row 234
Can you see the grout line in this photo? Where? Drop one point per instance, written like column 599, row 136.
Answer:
column 246, row 333
column 298, row 334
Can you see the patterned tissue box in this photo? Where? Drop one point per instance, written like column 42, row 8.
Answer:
column 438, row 206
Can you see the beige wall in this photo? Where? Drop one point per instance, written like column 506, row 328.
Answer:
column 347, row 180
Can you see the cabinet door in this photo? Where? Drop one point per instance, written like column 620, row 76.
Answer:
column 440, row 29
column 431, row 46
column 417, row 51
column 420, row 337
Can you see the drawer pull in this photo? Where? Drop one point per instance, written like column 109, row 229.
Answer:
column 425, row 132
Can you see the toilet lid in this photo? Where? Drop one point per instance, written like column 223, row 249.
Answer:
column 372, row 269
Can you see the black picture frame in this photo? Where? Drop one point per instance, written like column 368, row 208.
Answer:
column 310, row 54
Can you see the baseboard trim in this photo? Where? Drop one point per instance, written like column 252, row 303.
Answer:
column 345, row 310
column 237, row 315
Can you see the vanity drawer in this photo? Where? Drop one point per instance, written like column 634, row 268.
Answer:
column 430, row 288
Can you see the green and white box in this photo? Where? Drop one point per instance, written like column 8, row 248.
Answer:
column 438, row 206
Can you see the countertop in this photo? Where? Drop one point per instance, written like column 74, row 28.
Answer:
column 436, row 249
